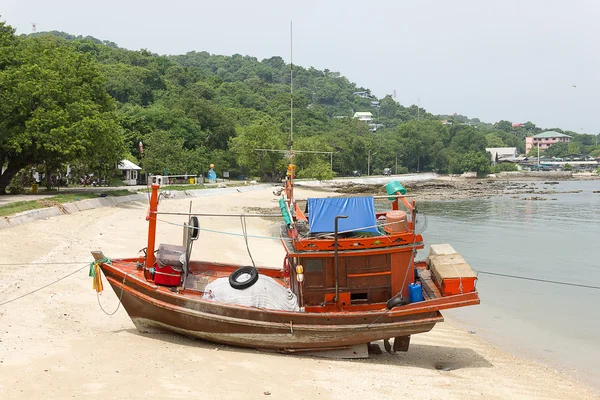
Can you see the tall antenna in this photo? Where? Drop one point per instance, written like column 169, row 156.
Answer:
column 291, row 90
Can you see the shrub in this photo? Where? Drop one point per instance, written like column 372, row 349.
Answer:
column 504, row 167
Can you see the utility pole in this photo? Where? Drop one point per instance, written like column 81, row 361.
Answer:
column 369, row 164
column 396, row 163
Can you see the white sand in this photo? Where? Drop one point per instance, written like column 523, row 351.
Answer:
column 58, row 344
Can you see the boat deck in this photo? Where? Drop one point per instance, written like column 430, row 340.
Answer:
column 430, row 290
column 203, row 273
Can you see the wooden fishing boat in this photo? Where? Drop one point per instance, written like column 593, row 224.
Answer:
column 349, row 270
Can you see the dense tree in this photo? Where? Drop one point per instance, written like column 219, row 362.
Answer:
column 266, row 135
column 556, row 150
column 422, row 143
column 195, row 109
column 503, row 125
column 54, row 107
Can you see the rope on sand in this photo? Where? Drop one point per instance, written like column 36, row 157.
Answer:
column 45, row 286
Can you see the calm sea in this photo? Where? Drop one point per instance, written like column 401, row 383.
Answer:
column 557, row 239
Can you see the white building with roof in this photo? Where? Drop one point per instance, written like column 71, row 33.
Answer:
column 364, row 116
column 129, row 172
column 501, row 153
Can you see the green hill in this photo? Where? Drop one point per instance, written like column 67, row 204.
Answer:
column 195, row 109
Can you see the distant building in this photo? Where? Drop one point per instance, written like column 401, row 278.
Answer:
column 374, row 127
column 129, row 172
column 364, row 94
column 502, row 153
column 518, row 125
column 545, row 139
column 364, row 116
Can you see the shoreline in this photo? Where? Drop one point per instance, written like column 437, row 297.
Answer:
column 57, row 342
column 456, row 188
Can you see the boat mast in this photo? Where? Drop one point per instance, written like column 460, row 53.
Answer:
column 151, row 217
column 291, row 168
column 291, row 95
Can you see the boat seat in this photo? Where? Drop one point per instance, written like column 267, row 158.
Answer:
column 172, row 255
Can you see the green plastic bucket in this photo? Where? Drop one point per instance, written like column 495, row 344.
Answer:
column 394, row 187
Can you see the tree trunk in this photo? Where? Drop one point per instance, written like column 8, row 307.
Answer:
column 260, row 162
column 7, row 176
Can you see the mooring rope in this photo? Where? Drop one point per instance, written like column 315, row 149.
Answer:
column 120, row 297
column 537, row 279
column 45, row 286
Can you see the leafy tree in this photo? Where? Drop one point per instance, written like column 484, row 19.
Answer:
column 54, row 107
column 470, row 162
column 556, row 150
column 163, row 152
column 318, row 169
column 421, row 143
column 263, row 134
column 494, row 140
column 574, row 148
column 503, row 125
column 500, row 167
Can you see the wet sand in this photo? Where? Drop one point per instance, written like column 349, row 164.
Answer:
column 57, row 343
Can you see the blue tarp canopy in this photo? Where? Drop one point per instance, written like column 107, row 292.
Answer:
column 360, row 212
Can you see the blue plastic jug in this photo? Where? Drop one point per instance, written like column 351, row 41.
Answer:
column 415, row 293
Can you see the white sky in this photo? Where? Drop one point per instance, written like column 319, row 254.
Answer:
column 511, row 59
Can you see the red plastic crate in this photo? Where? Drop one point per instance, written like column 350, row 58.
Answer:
column 167, row 276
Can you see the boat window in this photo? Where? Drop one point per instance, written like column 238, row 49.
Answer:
column 358, row 297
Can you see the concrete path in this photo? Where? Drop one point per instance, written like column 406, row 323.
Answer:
column 13, row 198
column 88, row 204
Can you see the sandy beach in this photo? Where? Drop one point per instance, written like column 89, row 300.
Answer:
column 57, row 343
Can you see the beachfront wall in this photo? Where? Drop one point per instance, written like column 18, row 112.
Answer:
column 545, row 139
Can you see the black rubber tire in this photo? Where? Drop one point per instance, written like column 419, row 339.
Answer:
column 249, row 269
column 194, row 225
column 396, row 301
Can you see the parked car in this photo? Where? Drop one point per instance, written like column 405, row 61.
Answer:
column 356, row 173
column 387, row 171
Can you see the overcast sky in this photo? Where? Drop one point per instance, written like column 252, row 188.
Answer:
column 512, row 59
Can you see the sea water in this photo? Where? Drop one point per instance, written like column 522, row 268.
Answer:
column 556, row 239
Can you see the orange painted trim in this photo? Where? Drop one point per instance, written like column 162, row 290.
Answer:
column 369, row 274
column 355, row 252
column 441, row 303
